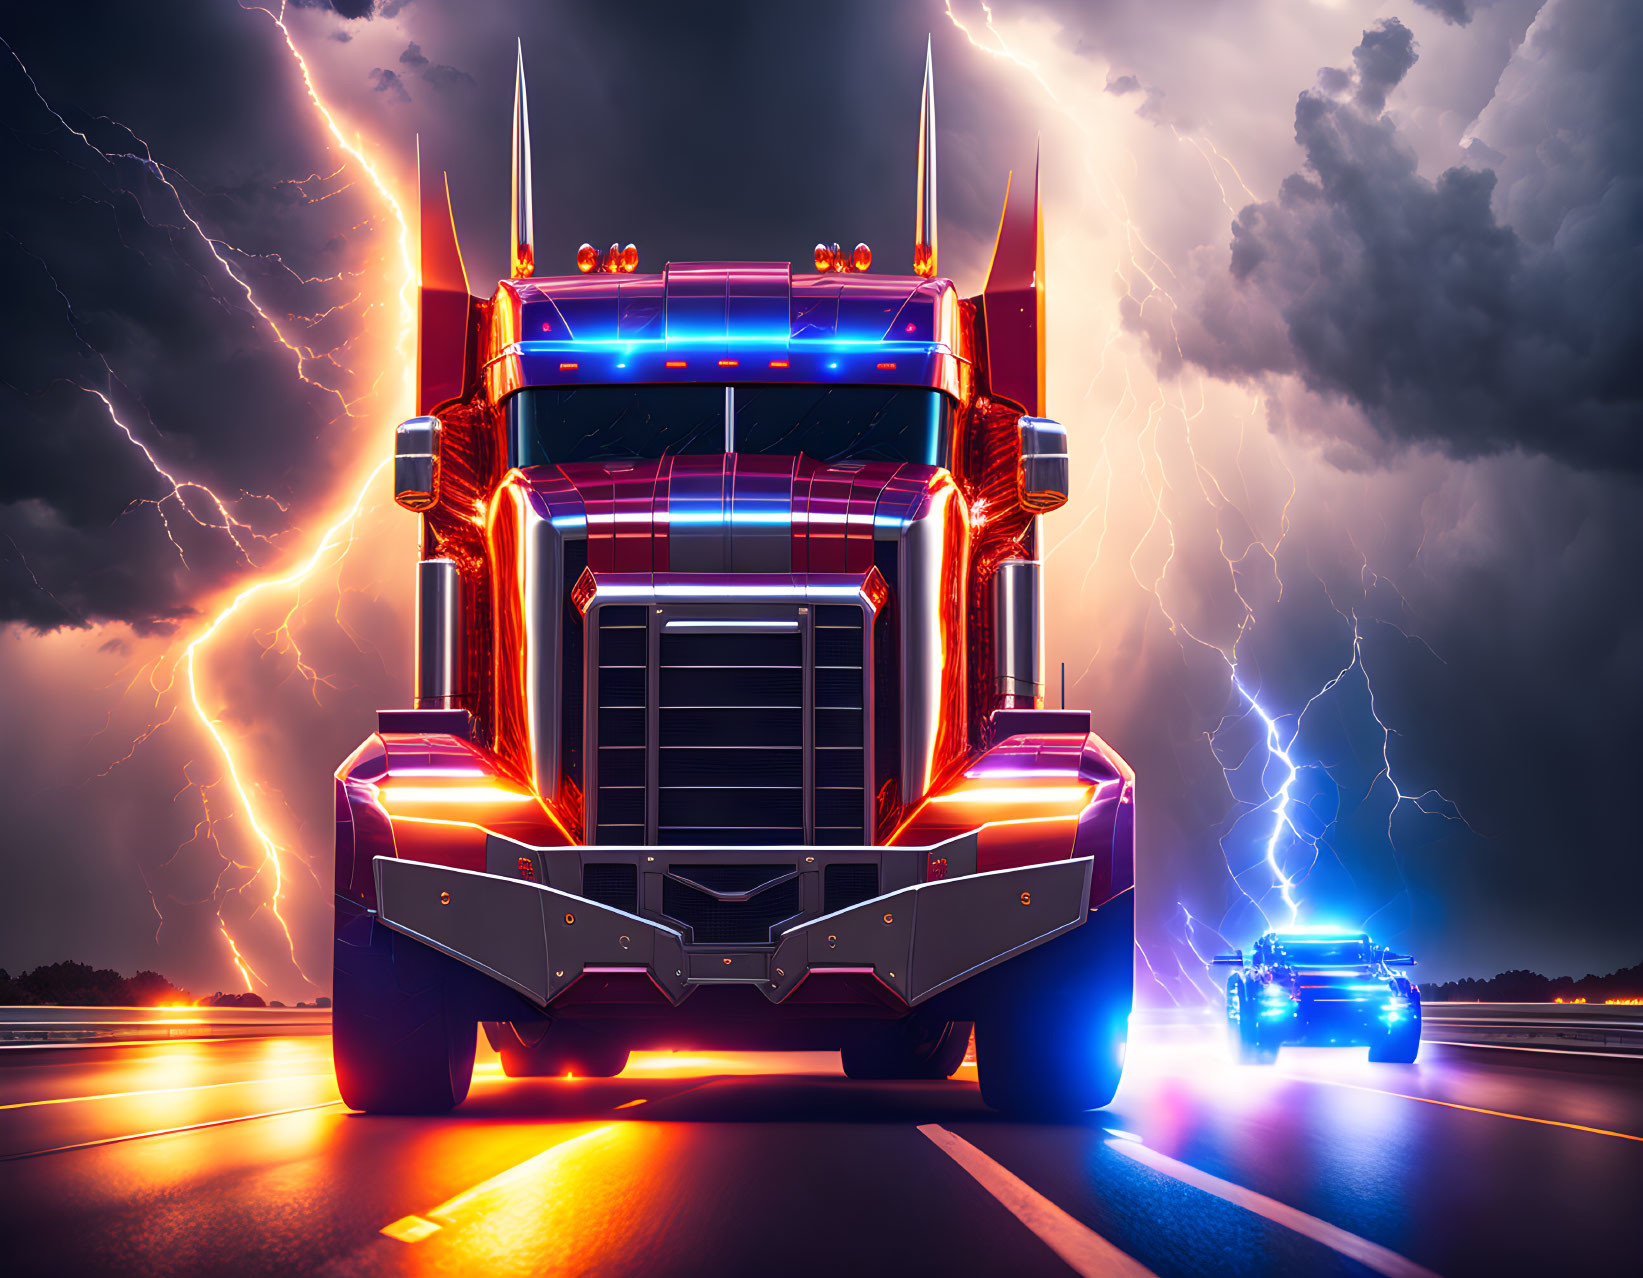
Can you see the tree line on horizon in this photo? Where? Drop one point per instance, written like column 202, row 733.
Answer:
column 70, row 984
column 1522, row 986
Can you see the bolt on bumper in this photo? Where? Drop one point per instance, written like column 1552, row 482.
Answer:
column 918, row 940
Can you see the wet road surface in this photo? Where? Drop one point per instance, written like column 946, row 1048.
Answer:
column 237, row 1157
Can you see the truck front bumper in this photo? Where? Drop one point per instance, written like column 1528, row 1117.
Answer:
column 918, row 940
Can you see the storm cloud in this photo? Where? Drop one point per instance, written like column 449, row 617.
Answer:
column 1485, row 310
column 1426, row 506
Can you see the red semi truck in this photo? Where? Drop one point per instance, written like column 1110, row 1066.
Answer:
column 728, row 728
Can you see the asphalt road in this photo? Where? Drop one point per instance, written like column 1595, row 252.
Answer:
column 236, row 1157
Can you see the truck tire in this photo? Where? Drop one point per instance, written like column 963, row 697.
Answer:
column 912, row 1048
column 399, row 1040
column 1399, row 1044
column 1249, row 1045
column 1050, row 1062
column 553, row 1049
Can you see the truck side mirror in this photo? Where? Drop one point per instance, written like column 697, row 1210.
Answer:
column 1043, row 476
column 1235, row 959
column 416, row 463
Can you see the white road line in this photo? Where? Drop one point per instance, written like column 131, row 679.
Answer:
column 1547, row 1051
column 1086, row 1251
column 166, row 1091
column 1371, row 1255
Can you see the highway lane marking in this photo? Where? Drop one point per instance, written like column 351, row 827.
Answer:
column 413, row 1229
column 164, row 1091
column 1546, row 1051
column 1370, row 1255
column 1086, row 1251
column 1470, row 1109
column 410, row 1229
column 165, row 1131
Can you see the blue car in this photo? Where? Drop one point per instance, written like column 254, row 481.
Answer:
column 1321, row 988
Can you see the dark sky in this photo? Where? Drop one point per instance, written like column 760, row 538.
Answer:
column 1346, row 331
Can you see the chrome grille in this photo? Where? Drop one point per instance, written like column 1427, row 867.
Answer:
column 730, row 734
column 620, row 721
column 728, row 723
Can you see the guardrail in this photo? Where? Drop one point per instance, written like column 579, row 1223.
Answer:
column 1595, row 1027
column 1606, row 1027
column 38, row 1025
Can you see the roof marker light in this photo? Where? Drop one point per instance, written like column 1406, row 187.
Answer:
column 730, row 363
column 891, row 367
column 778, row 363
column 675, row 363
column 587, row 257
column 569, row 368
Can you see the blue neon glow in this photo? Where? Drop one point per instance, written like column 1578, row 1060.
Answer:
column 537, row 346
column 715, row 516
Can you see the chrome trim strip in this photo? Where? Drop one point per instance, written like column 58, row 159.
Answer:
column 542, row 545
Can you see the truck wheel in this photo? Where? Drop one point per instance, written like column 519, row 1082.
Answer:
column 913, row 1048
column 548, row 1049
column 1398, row 1044
column 398, row 1039
column 1050, row 1066
column 1249, row 1045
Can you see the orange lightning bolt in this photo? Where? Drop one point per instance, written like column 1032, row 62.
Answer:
column 328, row 549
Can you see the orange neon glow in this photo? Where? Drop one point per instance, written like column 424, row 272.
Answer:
column 566, row 368
column 1011, row 794
column 675, row 363
column 729, row 363
column 887, row 365
column 778, row 363
column 452, row 794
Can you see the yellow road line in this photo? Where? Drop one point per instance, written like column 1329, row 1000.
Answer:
column 165, row 1131
column 1470, row 1109
column 164, row 1091
column 413, row 1229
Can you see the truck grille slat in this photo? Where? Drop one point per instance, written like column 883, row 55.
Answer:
column 619, row 693
column 738, row 722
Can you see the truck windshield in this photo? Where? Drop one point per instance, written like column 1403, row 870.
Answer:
column 550, row 424
column 1333, row 953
